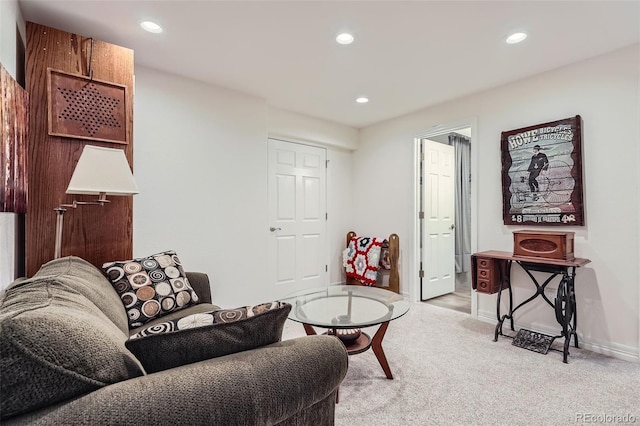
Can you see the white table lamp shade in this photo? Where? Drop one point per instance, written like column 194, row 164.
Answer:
column 102, row 170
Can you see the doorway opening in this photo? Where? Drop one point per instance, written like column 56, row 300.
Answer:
column 459, row 296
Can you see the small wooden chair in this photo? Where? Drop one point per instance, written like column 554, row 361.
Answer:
column 394, row 254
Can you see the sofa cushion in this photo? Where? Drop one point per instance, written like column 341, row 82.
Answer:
column 150, row 287
column 56, row 342
column 86, row 279
column 203, row 336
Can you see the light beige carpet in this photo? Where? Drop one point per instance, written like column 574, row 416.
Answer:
column 448, row 371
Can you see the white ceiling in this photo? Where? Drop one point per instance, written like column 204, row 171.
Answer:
column 407, row 55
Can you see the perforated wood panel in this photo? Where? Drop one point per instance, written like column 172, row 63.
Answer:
column 95, row 233
column 86, row 108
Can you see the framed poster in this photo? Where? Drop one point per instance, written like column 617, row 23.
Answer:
column 542, row 174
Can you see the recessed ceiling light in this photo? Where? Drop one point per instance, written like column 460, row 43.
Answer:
column 516, row 38
column 344, row 38
column 151, row 26
column 362, row 100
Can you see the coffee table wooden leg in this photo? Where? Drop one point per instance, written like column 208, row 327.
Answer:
column 376, row 345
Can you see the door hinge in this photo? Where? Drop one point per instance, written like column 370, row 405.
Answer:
column 421, row 274
column 326, row 164
column 420, row 215
column 326, row 216
column 326, row 268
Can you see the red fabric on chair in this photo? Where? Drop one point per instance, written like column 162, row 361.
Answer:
column 362, row 259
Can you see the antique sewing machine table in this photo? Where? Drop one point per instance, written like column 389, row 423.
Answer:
column 564, row 303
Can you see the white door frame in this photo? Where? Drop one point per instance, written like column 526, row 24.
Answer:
column 324, row 255
column 438, row 227
column 436, row 131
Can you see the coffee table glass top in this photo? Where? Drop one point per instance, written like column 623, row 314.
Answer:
column 345, row 306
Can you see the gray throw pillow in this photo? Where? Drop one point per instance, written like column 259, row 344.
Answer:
column 208, row 335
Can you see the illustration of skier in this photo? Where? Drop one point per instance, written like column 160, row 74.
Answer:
column 539, row 162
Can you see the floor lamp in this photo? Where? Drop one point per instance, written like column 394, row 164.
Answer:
column 100, row 171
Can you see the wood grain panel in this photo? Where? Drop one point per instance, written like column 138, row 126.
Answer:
column 97, row 234
column 14, row 120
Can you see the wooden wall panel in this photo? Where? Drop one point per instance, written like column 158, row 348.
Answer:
column 14, row 121
column 97, row 234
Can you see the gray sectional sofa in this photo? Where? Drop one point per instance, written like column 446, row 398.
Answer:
column 65, row 359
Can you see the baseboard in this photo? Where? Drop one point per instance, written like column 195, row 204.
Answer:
column 625, row 353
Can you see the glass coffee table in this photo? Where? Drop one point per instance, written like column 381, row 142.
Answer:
column 344, row 309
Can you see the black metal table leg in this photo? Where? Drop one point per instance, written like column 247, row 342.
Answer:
column 572, row 293
column 565, row 312
column 498, row 329
column 508, row 278
column 504, row 280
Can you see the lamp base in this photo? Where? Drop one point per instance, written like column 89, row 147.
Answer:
column 60, row 211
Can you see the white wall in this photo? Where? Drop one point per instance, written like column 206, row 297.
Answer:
column 288, row 125
column 604, row 91
column 200, row 161
column 340, row 192
column 200, row 164
column 10, row 21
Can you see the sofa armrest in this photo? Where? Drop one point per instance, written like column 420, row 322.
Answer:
column 200, row 283
column 293, row 379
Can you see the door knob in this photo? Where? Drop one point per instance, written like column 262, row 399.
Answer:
column 452, row 227
column 273, row 229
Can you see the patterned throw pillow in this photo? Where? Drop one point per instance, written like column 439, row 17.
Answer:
column 208, row 335
column 208, row 318
column 151, row 287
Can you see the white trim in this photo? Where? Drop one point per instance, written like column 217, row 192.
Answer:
column 8, row 252
column 307, row 142
column 436, row 131
column 638, row 236
column 474, row 203
column 325, row 230
column 414, row 268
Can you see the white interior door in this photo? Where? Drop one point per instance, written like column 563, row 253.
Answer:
column 438, row 242
column 297, row 217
